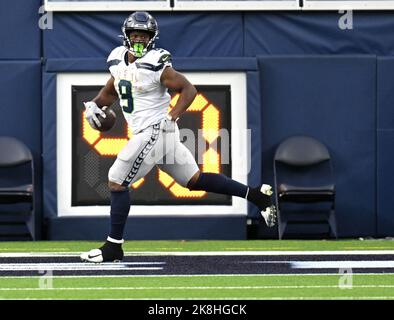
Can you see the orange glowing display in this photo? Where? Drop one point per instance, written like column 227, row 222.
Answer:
column 211, row 159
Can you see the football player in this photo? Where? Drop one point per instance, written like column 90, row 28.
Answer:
column 140, row 77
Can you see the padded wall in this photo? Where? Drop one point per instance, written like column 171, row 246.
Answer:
column 385, row 143
column 20, row 102
column 21, row 112
column 318, row 33
column 19, row 33
column 20, row 77
column 183, row 34
column 49, row 144
column 334, row 100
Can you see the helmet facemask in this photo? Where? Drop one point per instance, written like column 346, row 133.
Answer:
column 138, row 48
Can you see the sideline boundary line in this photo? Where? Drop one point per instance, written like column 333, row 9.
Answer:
column 199, row 288
column 200, row 275
column 204, row 253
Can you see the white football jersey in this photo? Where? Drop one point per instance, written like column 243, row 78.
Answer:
column 144, row 100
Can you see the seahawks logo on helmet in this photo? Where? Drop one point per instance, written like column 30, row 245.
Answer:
column 141, row 21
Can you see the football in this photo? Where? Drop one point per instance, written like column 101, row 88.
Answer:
column 108, row 122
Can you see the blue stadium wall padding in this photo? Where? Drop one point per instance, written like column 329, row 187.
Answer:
column 49, row 144
column 254, row 125
column 385, row 150
column 212, row 227
column 215, row 64
column 318, row 33
column 76, row 64
column 385, row 94
column 79, row 35
column 20, row 87
column 85, row 35
column 184, row 64
column 385, row 174
column 19, row 33
column 332, row 98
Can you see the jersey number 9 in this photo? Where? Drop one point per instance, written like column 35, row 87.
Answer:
column 126, row 96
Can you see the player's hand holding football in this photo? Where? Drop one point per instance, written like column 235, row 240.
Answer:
column 91, row 113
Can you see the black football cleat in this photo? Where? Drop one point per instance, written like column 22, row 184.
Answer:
column 261, row 197
column 108, row 252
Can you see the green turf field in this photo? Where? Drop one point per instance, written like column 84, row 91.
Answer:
column 208, row 287
column 183, row 245
column 262, row 286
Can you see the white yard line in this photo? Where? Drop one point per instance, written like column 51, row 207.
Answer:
column 337, row 264
column 204, row 253
column 195, row 288
column 78, row 266
column 221, row 298
column 198, row 275
column 341, row 264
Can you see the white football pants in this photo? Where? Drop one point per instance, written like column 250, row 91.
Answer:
column 150, row 147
